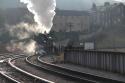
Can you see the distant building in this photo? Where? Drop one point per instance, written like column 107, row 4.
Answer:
column 94, row 21
column 107, row 15
column 69, row 20
column 104, row 16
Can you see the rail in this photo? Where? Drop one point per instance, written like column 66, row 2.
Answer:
column 63, row 74
column 103, row 60
column 9, row 78
column 29, row 74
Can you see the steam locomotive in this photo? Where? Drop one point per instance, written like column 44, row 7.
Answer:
column 45, row 44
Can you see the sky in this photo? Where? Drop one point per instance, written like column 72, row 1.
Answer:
column 62, row 4
column 9, row 3
column 79, row 4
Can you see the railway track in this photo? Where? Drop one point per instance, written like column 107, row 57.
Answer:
column 22, row 76
column 6, row 56
column 81, row 77
column 4, row 78
column 42, row 73
column 16, row 75
column 55, row 72
column 10, row 74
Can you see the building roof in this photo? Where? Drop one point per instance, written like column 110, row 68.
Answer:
column 71, row 13
column 108, row 6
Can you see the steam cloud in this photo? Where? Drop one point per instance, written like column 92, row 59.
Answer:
column 25, row 47
column 21, row 38
column 22, row 34
column 43, row 11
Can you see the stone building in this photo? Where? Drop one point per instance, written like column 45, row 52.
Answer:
column 70, row 20
column 107, row 15
column 104, row 16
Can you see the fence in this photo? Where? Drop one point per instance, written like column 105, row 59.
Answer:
column 103, row 60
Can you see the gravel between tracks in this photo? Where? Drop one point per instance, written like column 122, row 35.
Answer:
column 3, row 68
column 4, row 80
column 13, row 73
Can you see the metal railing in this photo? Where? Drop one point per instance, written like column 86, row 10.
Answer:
column 103, row 60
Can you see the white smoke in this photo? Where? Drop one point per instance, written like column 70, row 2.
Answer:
column 25, row 47
column 21, row 30
column 21, row 38
column 22, row 34
column 43, row 11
